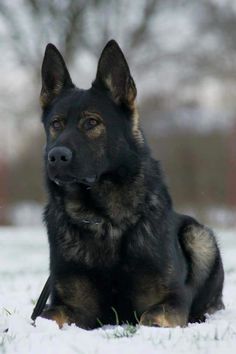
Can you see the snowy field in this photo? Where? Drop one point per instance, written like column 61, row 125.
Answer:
column 23, row 271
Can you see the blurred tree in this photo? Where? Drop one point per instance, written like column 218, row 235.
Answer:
column 74, row 25
column 187, row 37
column 25, row 181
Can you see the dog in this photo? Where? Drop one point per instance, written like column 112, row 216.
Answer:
column 119, row 253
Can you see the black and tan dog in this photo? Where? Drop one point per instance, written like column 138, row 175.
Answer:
column 117, row 247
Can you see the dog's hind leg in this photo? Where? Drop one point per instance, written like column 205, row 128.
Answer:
column 201, row 291
column 205, row 270
column 172, row 312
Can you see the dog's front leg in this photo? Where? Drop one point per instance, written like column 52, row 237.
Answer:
column 75, row 299
column 64, row 315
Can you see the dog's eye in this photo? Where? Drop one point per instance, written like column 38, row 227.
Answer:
column 56, row 124
column 90, row 123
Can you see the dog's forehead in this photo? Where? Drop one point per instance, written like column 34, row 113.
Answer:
column 79, row 101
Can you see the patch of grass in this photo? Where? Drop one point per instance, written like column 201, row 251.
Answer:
column 33, row 302
column 100, row 322
column 127, row 331
column 2, row 345
column 216, row 336
column 7, row 311
column 116, row 316
column 4, row 340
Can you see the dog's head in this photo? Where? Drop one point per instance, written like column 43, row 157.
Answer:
column 91, row 134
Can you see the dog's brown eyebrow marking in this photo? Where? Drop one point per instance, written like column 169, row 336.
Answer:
column 59, row 117
column 95, row 114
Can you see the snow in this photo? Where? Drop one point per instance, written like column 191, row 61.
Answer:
column 23, row 271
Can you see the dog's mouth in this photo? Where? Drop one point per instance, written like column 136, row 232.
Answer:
column 88, row 181
column 62, row 181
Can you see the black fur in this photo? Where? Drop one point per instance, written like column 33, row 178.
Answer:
column 117, row 247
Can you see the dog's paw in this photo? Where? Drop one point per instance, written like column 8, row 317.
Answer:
column 163, row 316
column 57, row 314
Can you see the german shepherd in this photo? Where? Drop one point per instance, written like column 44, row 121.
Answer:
column 118, row 250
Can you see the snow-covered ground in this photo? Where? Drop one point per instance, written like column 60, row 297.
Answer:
column 23, row 271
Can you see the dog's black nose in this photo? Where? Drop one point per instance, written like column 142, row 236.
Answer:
column 59, row 156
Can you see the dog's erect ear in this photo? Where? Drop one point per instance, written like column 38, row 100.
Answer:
column 55, row 76
column 113, row 74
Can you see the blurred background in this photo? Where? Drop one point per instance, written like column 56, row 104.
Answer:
column 182, row 54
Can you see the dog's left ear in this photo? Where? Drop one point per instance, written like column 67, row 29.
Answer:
column 55, row 76
column 113, row 74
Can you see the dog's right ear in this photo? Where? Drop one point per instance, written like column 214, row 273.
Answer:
column 55, row 76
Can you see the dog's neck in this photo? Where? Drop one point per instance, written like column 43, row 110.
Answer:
column 106, row 202
column 112, row 204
